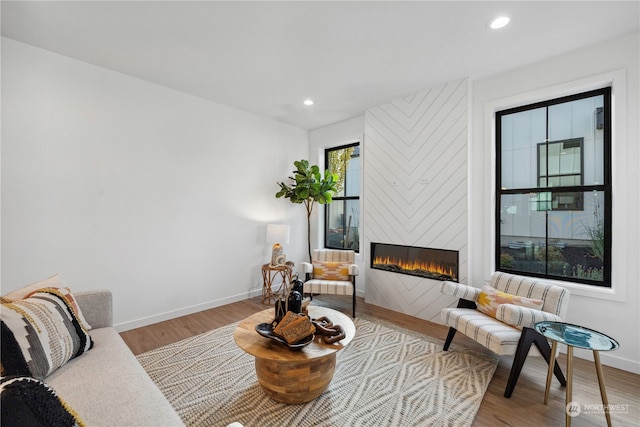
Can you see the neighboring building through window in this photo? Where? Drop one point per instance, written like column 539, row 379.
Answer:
column 342, row 215
column 561, row 166
column 553, row 187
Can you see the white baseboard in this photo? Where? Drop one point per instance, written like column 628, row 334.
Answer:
column 607, row 358
column 168, row 315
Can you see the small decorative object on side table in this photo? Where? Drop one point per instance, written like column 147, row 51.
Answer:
column 576, row 336
column 269, row 272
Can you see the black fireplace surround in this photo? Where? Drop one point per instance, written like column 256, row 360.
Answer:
column 436, row 264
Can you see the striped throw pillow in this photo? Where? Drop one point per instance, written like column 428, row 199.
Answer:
column 40, row 334
column 331, row 270
column 52, row 282
column 490, row 298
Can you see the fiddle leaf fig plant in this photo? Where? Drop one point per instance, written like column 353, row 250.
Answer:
column 308, row 187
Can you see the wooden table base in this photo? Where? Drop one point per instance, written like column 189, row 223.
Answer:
column 293, row 376
column 297, row 381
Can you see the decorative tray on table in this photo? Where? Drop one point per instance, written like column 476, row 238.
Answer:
column 266, row 330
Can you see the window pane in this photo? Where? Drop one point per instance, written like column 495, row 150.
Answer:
column 576, row 240
column 580, row 119
column 352, row 234
column 343, row 230
column 575, row 244
column 345, row 163
column 554, row 159
column 522, row 227
column 353, row 174
column 335, row 224
column 520, row 135
column 336, row 165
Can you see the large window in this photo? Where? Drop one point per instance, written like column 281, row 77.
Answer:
column 553, row 204
column 342, row 216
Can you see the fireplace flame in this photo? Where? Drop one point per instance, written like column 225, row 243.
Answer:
column 415, row 265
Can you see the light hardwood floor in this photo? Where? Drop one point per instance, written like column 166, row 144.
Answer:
column 524, row 408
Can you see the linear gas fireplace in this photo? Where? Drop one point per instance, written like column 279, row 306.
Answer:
column 437, row 264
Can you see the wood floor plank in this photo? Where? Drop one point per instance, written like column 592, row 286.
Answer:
column 524, row 408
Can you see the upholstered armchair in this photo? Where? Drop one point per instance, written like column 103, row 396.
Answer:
column 501, row 315
column 331, row 272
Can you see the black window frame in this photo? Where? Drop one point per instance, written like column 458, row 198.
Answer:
column 604, row 121
column 338, row 199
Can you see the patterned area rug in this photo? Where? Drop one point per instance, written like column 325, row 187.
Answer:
column 386, row 376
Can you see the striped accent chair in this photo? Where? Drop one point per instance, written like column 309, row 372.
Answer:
column 331, row 272
column 511, row 331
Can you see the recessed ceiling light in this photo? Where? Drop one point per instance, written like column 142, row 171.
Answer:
column 500, row 22
column 308, row 102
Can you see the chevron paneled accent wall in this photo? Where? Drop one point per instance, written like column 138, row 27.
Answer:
column 415, row 191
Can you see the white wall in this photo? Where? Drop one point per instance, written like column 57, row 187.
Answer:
column 117, row 183
column 614, row 312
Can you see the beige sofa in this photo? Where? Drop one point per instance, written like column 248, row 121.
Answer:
column 107, row 386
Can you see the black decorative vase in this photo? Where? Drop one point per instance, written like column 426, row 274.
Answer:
column 295, row 301
column 297, row 285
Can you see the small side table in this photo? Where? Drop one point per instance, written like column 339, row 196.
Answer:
column 270, row 272
column 576, row 336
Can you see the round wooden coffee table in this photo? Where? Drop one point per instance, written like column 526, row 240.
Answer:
column 293, row 376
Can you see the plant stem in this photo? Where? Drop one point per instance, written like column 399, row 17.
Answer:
column 309, row 205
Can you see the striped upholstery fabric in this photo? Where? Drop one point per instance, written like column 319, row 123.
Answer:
column 501, row 335
column 332, row 287
column 524, row 317
column 556, row 299
column 334, row 255
column 460, row 290
column 498, row 337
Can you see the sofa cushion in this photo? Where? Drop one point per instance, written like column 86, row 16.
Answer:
column 490, row 299
column 107, row 386
column 331, row 270
column 55, row 281
column 27, row 401
column 40, row 334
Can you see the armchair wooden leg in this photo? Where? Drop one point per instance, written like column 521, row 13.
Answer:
column 529, row 336
column 447, row 342
column 524, row 344
column 353, row 281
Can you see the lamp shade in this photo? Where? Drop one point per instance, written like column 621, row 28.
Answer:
column 277, row 233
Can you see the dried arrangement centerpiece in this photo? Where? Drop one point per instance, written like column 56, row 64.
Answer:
column 293, row 327
column 308, row 187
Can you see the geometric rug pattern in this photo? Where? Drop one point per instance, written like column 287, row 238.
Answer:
column 386, row 376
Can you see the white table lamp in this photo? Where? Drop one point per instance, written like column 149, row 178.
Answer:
column 277, row 234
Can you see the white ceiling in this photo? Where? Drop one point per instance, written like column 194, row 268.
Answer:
column 267, row 57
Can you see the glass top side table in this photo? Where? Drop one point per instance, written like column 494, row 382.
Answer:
column 581, row 337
